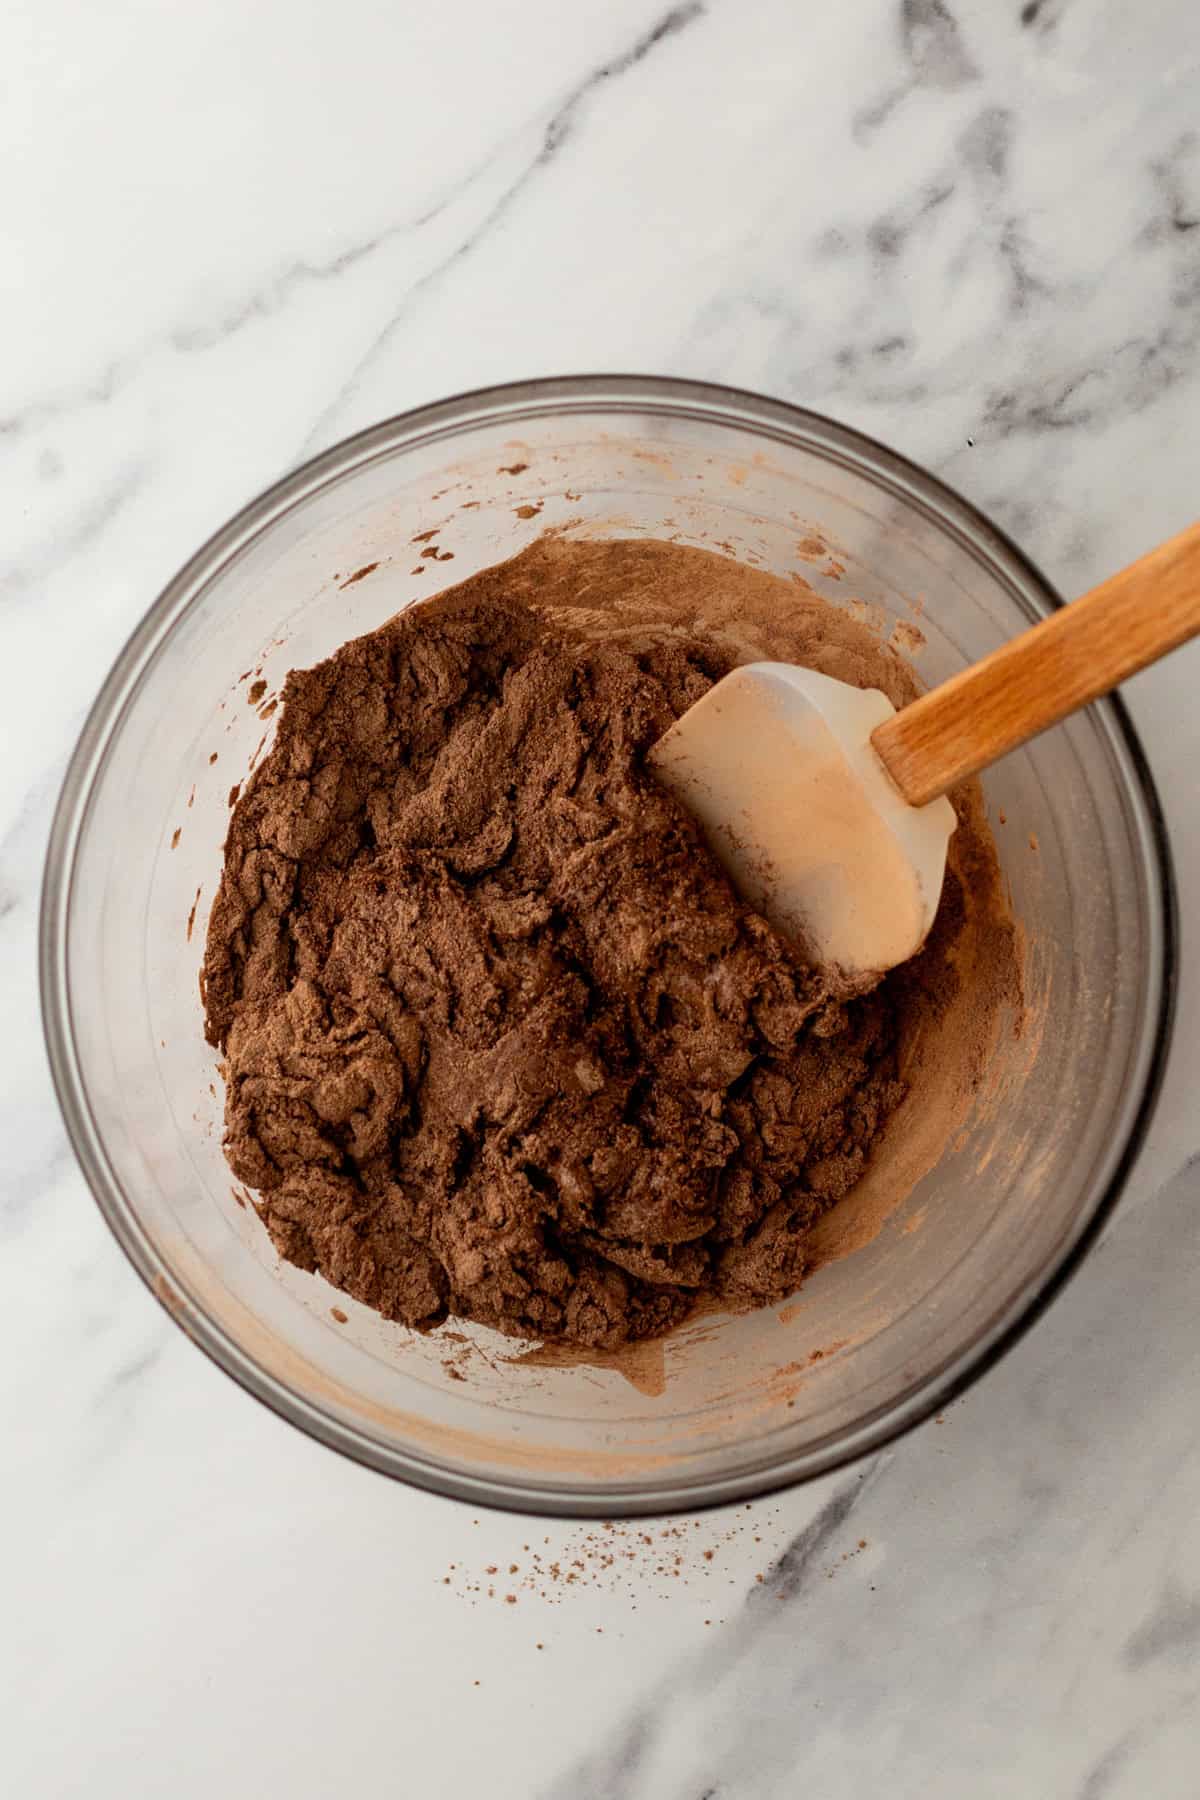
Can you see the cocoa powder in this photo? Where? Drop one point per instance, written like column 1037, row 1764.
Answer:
column 499, row 1038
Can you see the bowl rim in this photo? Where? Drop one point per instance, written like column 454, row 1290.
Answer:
column 620, row 394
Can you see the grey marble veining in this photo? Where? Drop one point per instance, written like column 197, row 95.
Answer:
column 235, row 234
column 1031, row 1622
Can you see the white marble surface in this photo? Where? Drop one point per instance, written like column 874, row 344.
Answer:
column 232, row 233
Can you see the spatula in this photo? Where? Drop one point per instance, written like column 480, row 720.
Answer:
column 828, row 807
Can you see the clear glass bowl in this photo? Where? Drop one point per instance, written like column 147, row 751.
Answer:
column 876, row 1340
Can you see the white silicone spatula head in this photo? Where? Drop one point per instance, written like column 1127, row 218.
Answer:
column 776, row 765
column 827, row 805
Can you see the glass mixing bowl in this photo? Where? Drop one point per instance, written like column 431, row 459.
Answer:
column 730, row 1407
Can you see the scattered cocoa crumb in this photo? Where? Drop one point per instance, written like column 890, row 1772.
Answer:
column 527, row 512
column 175, row 835
column 512, row 468
column 255, row 691
column 424, row 537
column 192, row 916
column 600, row 1557
column 341, row 1317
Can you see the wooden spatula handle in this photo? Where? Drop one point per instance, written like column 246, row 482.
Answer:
column 1049, row 671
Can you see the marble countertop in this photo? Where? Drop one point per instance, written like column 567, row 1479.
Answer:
column 233, row 234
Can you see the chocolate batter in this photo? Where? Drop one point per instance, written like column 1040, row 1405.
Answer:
column 500, row 1039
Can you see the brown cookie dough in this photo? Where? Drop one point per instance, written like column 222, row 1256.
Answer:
column 500, row 1040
